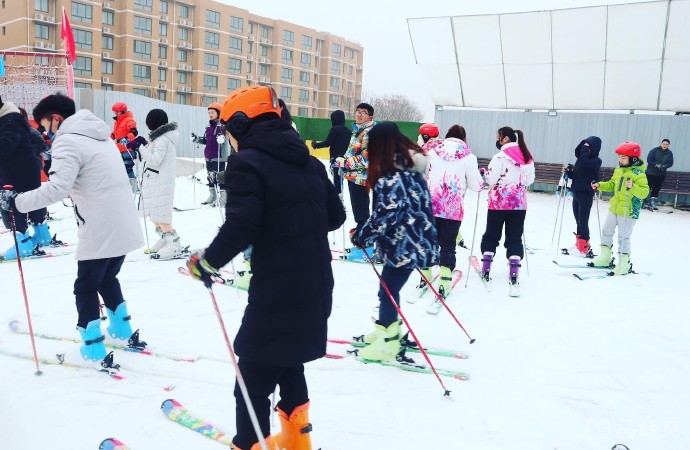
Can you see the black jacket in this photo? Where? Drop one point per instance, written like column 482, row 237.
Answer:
column 338, row 137
column 281, row 201
column 586, row 168
column 20, row 164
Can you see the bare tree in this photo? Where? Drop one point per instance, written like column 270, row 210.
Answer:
column 393, row 107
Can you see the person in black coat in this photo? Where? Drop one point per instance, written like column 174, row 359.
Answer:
column 20, row 166
column 583, row 174
column 338, row 140
column 281, row 202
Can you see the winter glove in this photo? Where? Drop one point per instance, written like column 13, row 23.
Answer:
column 200, row 269
column 353, row 238
column 193, row 138
column 340, row 162
column 220, row 139
column 7, row 199
column 137, row 142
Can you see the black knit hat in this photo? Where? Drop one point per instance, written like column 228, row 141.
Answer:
column 155, row 118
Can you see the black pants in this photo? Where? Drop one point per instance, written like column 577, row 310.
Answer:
column 212, row 169
column 359, row 198
column 261, row 381
column 582, row 206
column 655, row 183
column 20, row 219
column 447, row 230
column 514, row 221
column 395, row 278
column 97, row 276
column 337, row 179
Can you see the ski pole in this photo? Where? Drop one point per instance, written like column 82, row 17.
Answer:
column 474, row 233
column 524, row 250
column 445, row 305
column 558, row 207
column 240, row 380
column 564, row 193
column 143, row 206
column 9, row 187
column 194, row 150
column 446, row 392
column 596, row 199
column 342, row 191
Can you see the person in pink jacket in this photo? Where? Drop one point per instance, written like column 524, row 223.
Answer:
column 510, row 171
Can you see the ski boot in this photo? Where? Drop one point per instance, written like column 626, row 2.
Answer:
column 94, row 347
column 422, row 283
column 514, row 270
column 652, row 204
column 583, row 247
column 459, row 241
column 386, row 344
column 604, row 259
column 159, row 244
column 41, row 235
column 624, row 266
column 119, row 327
column 294, row 429
column 211, row 200
column 26, row 247
column 172, row 247
column 487, row 259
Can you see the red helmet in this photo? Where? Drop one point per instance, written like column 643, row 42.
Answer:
column 429, row 130
column 119, row 107
column 631, row 149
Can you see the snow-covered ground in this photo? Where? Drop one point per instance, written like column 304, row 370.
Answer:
column 568, row 365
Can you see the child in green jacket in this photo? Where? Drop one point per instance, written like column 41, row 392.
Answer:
column 630, row 188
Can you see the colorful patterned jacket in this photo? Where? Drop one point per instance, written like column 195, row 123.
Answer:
column 357, row 156
column 627, row 202
column 508, row 177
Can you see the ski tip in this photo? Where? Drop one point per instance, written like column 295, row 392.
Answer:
column 169, row 404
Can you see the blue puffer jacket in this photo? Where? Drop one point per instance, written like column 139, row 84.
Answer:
column 586, row 168
column 402, row 223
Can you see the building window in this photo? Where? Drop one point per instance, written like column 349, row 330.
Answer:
column 335, row 83
column 263, row 50
column 233, row 83
column 142, row 73
column 288, row 38
column 212, row 19
column 107, row 67
column 264, row 31
column 182, row 55
column 144, row 5
column 211, row 61
column 333, row 99
column 349, row 86
column 212, row 39
column 335, row 66
column 82, row 66
column 162, row 52
column 162, row 74
column 286, row 74
column 303, row 95
column 41, row 5
column 350, row 69
column 162, row 96
column 304, row 77
column 236, row 45
column 42, row 31
column 236, row 24
column 306, row 42
column 351, row 53
column 206, row 100
column 211, row 82
column 106, row 87
column 107, row 42
column 164, row 7
column 142, row 49
column 302, row 112
column 142, row 25
column 140, row 91
column 79, row 85
column 181, row 99
column 235, row 65
column 287, row 56
column 336, row 50
column 286, row 93
column 184, row 11
column 82, row 39
column 250, row 47
column 263, row 69
column 305, row 60
column 183, row 33
column 163, row 29
column 182, row 77
column 108, row 18
column 249, row 67
column 82, row 12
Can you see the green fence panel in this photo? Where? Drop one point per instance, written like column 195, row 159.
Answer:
column 317, row 129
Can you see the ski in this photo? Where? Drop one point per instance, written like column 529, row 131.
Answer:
column 112, row 444
column 184, row 254
column 418, row 368
column 16, row 327
column 174, row 411
column 581, row 266
column 606, row 275
column 219, row 279
column 423, row 290
column 435, row 305
column 112, row 372
column 175, row 208
column 31, row 257
column 410, row 346
column 474, row 262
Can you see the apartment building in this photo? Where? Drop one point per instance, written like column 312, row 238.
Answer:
column 191, row 52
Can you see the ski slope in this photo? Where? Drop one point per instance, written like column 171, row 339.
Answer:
column 569, row 365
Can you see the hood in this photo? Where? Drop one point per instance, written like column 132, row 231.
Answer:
column 160, row 131
column 85, row 123
column 512, row 150
column 125, row 116
column 420, row 162
column 639, row 165
column 278, row 139
column 337, row 118
column 7, row 108
column 594, row 145
column 451, row 149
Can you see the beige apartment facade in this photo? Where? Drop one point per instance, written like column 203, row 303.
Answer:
column 190, row 52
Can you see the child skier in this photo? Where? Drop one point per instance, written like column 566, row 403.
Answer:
column 124, row 134
column 630, row 188
column 215, row 154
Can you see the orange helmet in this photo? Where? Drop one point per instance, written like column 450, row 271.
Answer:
column 244, row 104
column 119, row 107
column 428, row 130
column 215, row 105
column 631, row 149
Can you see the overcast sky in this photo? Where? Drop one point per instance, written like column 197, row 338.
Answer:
column 380, row 26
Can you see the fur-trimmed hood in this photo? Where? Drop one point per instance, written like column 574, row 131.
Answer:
column 420, row 160
column 160, row 131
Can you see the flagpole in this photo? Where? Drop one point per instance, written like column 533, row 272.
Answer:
column 67, row 37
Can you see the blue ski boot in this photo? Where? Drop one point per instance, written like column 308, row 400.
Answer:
column 94, row 347
column 26, row 247
column 41, row 235
column 119, row 327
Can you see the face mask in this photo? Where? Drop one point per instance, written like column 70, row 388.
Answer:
column 498, row 144
column 50, row 135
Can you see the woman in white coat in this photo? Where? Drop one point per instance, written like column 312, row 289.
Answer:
column 158, row 183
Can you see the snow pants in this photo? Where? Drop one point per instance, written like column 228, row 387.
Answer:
column 582, row 206
column 447, row 230
column 395, row 278
column 625, row 228
column 359, row 198
column 97, row 276
column 514, row 221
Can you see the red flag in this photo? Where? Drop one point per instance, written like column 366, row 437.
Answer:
column 68, row 38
